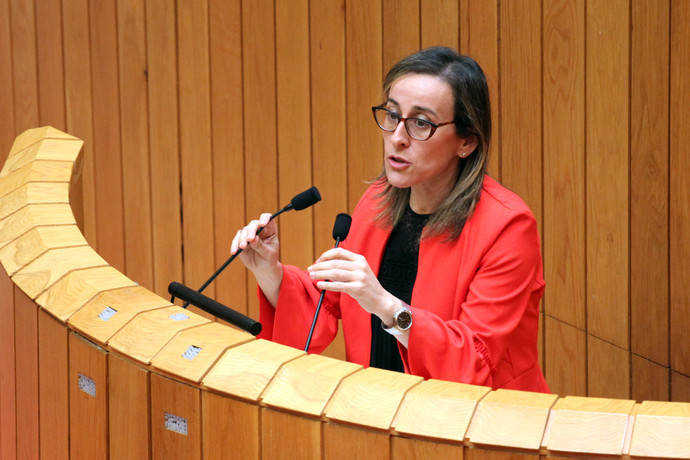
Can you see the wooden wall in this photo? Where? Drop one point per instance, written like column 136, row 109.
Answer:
column 199, row 115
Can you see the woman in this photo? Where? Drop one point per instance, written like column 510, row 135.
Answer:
column 441, row 274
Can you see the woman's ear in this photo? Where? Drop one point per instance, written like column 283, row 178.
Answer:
column 467, row 145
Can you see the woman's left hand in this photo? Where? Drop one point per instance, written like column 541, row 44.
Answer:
column 341, row 270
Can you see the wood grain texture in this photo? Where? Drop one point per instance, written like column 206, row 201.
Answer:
column 163, row 136
column 286, row 436
column 37, row 171
column 53, row 388
column 564, row 160
column 401, row 30
column 8, row 401
column 418, row 449
column 7, row 130
column 225, row 30
column 680, row 387
column 481, row 453
column 136, row 177
column 43, row 149
column 307, row 383
column 650, row 381
column 24, row 65
column 88, row 415
column 608, row 370
column 260, row 135
column 227, row 418
column 343, row 442
column 129, row 425
column 607, row 180
column 660, row 430
column 31, row 216
column 148, row 332
column 440, row 23
column 32, row 244
column 26, row 374
column 679, row 207
column 370, row 397
column 171, row 397
column 31, row 136
column 566, row 358
column 32, row 193
column 50, row 67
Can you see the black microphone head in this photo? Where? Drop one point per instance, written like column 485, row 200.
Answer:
column 305, row 199
column 342, row 226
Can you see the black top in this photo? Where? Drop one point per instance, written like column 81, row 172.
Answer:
column 397, row 275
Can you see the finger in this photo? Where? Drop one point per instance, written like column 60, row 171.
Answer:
column 337, row 253
column 336, row 286
column 234, row 246
column 332, row 264
column 336, row 275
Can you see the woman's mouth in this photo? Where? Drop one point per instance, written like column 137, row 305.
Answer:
column 397, row 162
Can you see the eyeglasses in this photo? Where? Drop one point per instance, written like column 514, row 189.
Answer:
column 417, row 128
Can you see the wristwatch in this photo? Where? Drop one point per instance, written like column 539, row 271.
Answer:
column 402, row 320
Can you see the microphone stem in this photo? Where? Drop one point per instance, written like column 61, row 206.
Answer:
column 318, row 309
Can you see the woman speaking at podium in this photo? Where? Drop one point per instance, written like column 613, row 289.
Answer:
column 441, row 273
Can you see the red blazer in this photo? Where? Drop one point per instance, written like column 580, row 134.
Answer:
column 475, row 303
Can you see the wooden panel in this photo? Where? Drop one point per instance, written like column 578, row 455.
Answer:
column 174, row 398
column 230, row 428
column 650, row 380
column 294, row 128
column 196, row 164
column 30, row 137
column 32, row 244
column 163, row 140
column 342, row 442
column 26, row 350
column 370, row 397
column 564, row 161
column 8, row 406
column 286, row 436
column 24, row 67
column 479, row 453
column 363, row 88
column 7, row 131
column 53, row 388
column 521, row 121
column 37, row 171
column 401, row 30
column 136, row 188
column 88, row 414
column 607, row 38
column 34, row 192
column 439, row 23
column 329, row 158
column 680, row 387
column 418, row 449
column 49, row 53
column 225, row 29
column 129, row 410
column 608, row 370
column 260, row 137
column 107, row 149
column 566, row 358
column 649, row 112
column 661, row 430
column 43, row 149
column 679, row 207
column 34, row 215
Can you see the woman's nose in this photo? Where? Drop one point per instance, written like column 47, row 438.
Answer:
column 399, row 136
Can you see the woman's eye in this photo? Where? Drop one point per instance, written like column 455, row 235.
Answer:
column 422, row 124
column 393, row 116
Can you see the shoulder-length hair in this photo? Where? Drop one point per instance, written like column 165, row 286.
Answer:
column 472, row 117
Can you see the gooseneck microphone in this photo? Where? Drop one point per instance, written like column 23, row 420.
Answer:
column 217, row 309
column 340, row 230
column 300, row 201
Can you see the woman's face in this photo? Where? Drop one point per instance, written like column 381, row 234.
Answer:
column 429, row 167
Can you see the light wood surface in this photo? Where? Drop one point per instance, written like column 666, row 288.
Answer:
column 210, row 340
column 148, row 332
column 608, row 373
column 566, row 357
column 511, row 418
column 94, row 320
column 34, row 192
column 438, row 409
column 35, row 242
column 307, row 383
column 370, row 397
column 36, row 171
column 52, row 149
column 661, row 430
column 76, row 288
column 34, row 135
column 32, row 216
column 246, row 370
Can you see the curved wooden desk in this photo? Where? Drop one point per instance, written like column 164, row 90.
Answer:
column 95, row 367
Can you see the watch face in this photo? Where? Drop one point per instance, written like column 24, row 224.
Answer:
column 404, row 320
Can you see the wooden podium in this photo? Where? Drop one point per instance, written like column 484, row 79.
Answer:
column 94, row 366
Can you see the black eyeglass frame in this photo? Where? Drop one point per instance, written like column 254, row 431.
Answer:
column 434, row 126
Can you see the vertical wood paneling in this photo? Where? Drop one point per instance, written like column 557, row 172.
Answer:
column 679, row 205
column 26, row 349
column 412, row 449
column 300, row 437
column 136, row 190
column 129, row 411
column 78, row 96
column 7, row 132
column 106, row 133
column 161, row 44
column 401, row 29
column 479, row 38
column 227, row 418
column 196, row 162
column 49, row 49
column 23, row 29
column 8, row 402
column 342, row 442
column 680, row 387
column 607, row 103
column 439, row 23
column 566, row 358
column 225, row 28
column 564, row 160
column 650, row 381
column 294, row 128
column 260, row 168
column 168, row 396
column 364, row 76
column 608, row 370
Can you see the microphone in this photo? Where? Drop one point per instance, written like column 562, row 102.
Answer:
column 300, row 201
column 340, row 230
column 217, row 309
